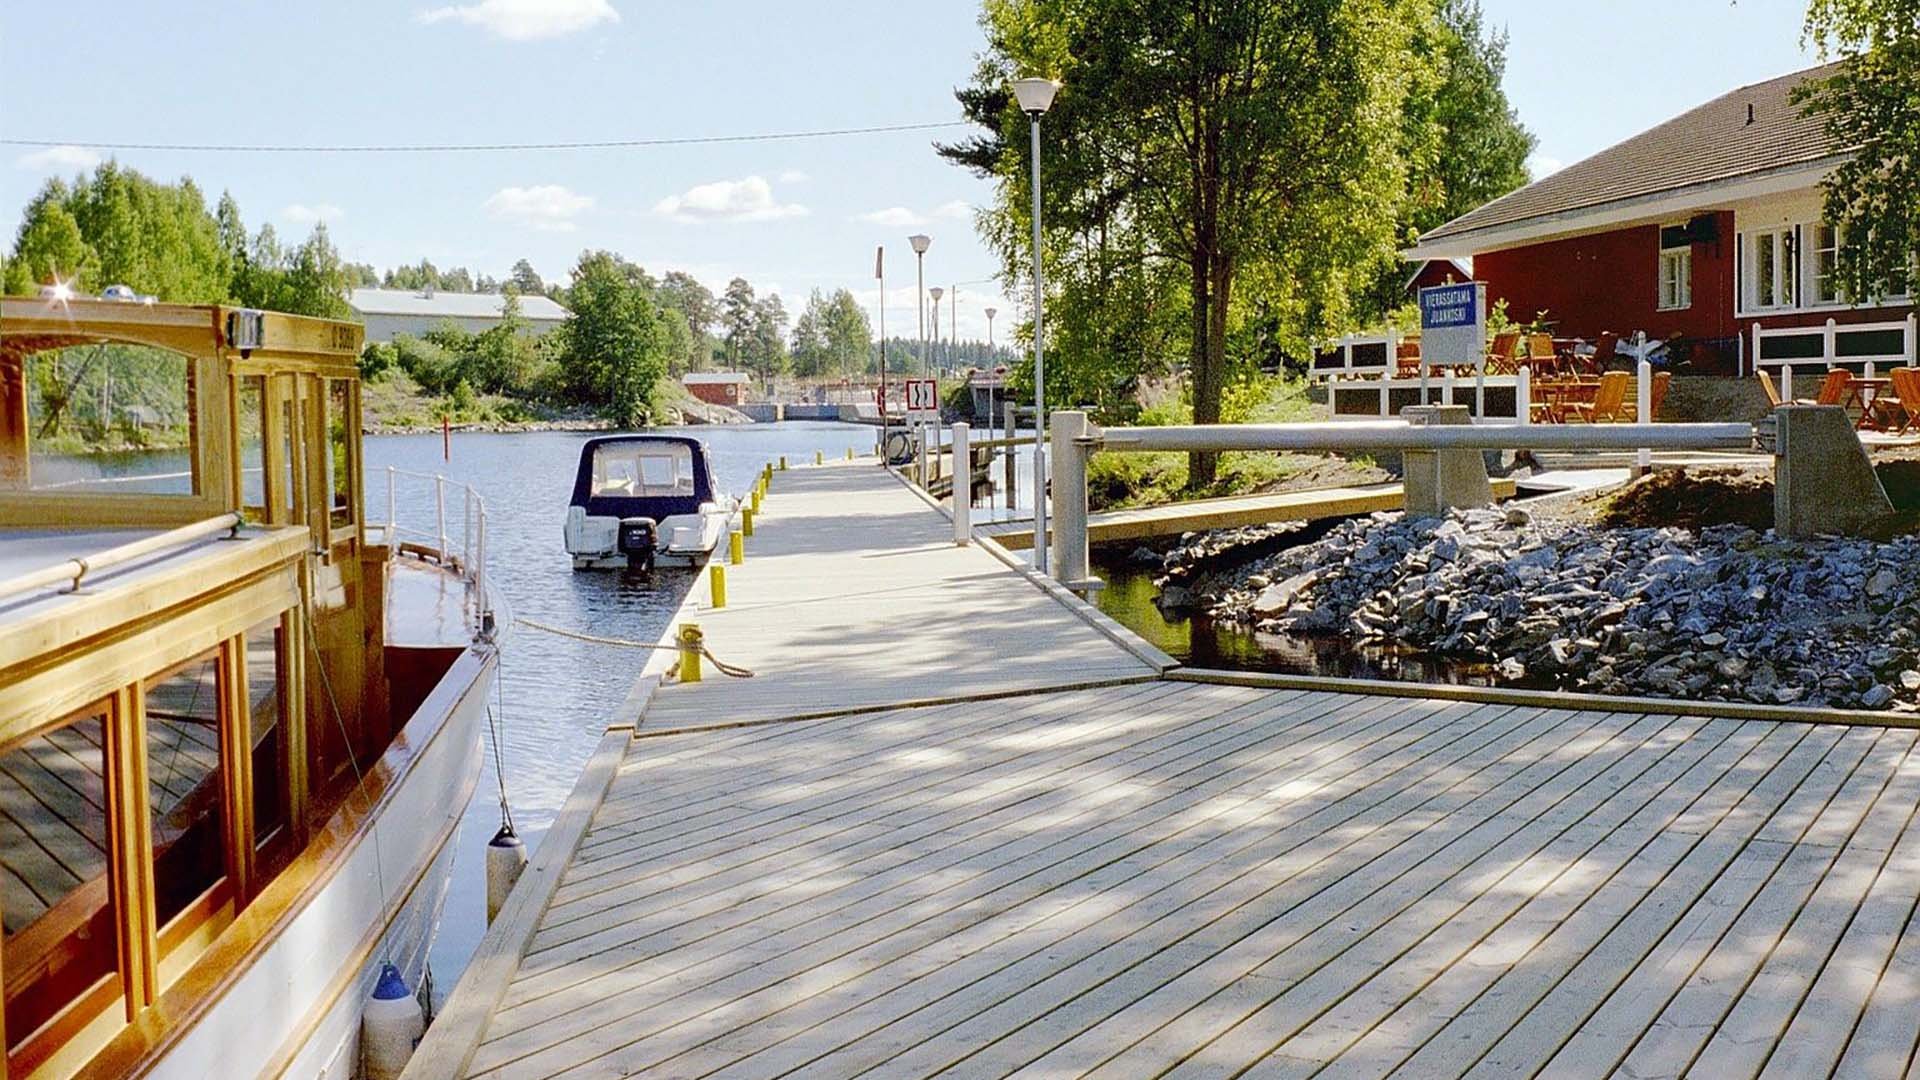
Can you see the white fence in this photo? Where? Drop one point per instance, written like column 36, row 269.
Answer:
column 1358, row 354
column 1868, row 346
column 1497, row 399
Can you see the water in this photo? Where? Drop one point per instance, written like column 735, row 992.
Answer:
column 1202, row 642
column 557, row 693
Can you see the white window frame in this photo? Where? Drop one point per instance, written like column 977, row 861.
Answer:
column 1682, row 279
column 1819, row 283
column 1778, row 242
column 1797, row 267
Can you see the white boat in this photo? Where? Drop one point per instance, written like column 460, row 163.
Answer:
column 238, row 724
column 645, row 500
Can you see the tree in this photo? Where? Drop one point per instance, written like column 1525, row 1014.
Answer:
column 316, row 279
column 736, row 320
column 683, row 293
column 1871, row 103
column 611, row 352
column 525, row 280
column 1218, row 144
column 848, row 333
column 1481, row 147
column 768, row 350
column 811, row 355
column 49, row 247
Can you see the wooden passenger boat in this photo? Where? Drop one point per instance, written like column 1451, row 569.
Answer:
column 237, row 726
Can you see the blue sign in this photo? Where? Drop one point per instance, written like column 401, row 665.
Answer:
column 1446, row 306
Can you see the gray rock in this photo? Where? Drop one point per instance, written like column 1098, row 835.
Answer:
column 1878, row 696
column 1882, row 582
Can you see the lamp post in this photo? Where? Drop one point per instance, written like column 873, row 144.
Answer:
column 880, row 275
column 991, row 312
column 991, row 375
column 933, row 360
column 920, row 242
column 1036, row 97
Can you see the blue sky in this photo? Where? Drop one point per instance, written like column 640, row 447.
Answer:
column 786, row 215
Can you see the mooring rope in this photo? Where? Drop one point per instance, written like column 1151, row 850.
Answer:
column 627, row 643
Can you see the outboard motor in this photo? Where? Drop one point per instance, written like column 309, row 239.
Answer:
column 638, row 538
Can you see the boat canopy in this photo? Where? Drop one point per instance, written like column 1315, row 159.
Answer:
column 652, row 476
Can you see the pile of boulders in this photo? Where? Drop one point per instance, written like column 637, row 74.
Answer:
column 1725, row 613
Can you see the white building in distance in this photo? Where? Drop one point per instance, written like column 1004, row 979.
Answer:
column 389, row 313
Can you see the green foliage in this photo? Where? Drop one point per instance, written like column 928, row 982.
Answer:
column 811, row 357
column 1872, row 104
column 736, row 321
column 767, row 339
column 1218, row 151
column 611, row 352
column 848, row 333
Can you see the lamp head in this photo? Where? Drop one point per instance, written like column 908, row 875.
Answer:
column 936, row 292
column 919, row 242
column 1035, row 95
column 991, row 312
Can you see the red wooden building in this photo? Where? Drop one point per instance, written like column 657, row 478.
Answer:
column 1695, row 230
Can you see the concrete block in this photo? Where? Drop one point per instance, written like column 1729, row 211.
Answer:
column 1823, row 482
column 1441, row 480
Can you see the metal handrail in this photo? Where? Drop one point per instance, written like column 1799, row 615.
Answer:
column 72, row 570
column 470, row 564
column 1400, row 435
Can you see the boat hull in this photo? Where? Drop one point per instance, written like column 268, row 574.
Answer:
column 295, row 1009
column 685, row 540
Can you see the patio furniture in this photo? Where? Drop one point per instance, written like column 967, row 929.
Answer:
column 1861, row 394
column 1835, row 387
column 1609, row 400
column 1901, row 405
column 1656, row 394
column 1503, row 357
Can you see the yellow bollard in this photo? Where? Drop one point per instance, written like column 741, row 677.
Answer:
column 783, row 463
column 849, row 453
column 756, row 500
column 717, row 584
column 746, row 522
column 736, row 548
column 819, row 457
column 691, row 643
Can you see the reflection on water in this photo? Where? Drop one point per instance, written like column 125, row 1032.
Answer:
column 557, row 692
column 1202, row 642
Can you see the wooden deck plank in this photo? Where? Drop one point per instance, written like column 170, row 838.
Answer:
column 896, row 868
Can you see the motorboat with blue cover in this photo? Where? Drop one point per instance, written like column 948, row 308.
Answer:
column 645, row 500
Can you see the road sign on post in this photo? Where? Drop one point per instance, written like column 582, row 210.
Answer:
column 1453, row 333
column 923, row 398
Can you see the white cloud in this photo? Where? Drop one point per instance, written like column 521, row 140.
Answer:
column 958, row 208
column 1540, row 166
column 525, row 20
column 750, row 199
column 77, row 158
column 897, row 217
column 302, row 214
column 549, row 207
column 793, row 176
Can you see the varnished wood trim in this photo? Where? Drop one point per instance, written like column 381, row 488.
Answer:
column 203, row 986
column 236, row 765
column 130, row 843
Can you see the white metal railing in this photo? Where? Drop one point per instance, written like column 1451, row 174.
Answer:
column 1838, row 345
column 1074, row 440
column 1378, row 396
column 1337, row 358
column 469, row 559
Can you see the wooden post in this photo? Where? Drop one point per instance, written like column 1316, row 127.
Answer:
column 1643, row 409
column 130, row 848
column 1523, row 395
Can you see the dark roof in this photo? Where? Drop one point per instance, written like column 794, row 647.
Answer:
column 1707, row 144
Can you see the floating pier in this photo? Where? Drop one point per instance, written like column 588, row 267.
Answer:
column 959, row 822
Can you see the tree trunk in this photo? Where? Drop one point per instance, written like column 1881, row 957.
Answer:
column 1209, row 307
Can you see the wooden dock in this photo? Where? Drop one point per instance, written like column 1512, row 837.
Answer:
column 1230, row 512
column 1123, row 873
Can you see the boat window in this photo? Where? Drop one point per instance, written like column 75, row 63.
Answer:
column 183, row 784
column 643, row 469
column 339, row 453
column 110, row 418
column 267, row 734
column 60, row 926
column 248, row 433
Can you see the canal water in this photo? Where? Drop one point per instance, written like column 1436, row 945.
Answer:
column 556, row 693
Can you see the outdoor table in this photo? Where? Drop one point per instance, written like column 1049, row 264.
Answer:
column 1860, row 395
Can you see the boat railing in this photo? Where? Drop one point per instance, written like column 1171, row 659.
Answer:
column 460, row 547
column 70, row 571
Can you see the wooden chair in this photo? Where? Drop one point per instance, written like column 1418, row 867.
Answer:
column 1604, row 350
column 1541, row 356
column 1656, row 394
column 1833, row 389
column 1503, row 357
column 1902, row 405
column 1772, row 391
column 1609, row 400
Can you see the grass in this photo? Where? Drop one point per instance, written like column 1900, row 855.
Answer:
column 1120, row 481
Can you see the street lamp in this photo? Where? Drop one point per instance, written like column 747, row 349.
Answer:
column 936, row 292
column 992, row 375
column 920, row 242
column 1036, row 97
column 991, row 312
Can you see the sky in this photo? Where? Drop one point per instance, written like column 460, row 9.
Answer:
column 788, row 215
